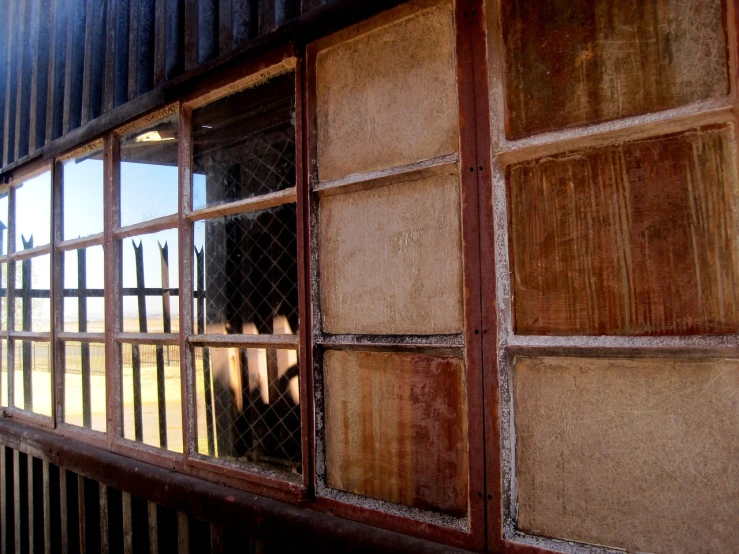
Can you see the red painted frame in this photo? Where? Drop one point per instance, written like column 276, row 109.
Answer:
column 470, row 33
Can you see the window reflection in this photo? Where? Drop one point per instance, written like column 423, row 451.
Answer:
column 32, row 376
column 32, row 300
column 3, row 297
column 3, row 372
column 84, row 385
column 84, row 290
column 246, row 273
column 3, row 223
column 150, row 283
column 152, row 407
column 248, row 405
column 244, row 145
column 149, row 172
column 83, row 196
column 33, row 212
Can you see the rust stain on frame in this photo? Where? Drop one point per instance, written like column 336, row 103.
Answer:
column 571, row 62
column 396, row 428
column 638, row 238
column 388, row 97
column 639, row 454
column 391, row 259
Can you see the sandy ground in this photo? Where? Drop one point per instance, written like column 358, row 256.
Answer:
column 41, row 382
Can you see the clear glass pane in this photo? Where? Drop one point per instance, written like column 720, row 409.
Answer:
column 152, row 401
column 244, row 145
column 248, row 406
column 3, row 372
column 4, row 222
column 32, row 301
column 150, row 303
column 149, row 172
column 246, row 273
column 3, row 297
column 33, row 212
column 32, row 375
column 84, row 385
column 83, row 195
column 86, row 295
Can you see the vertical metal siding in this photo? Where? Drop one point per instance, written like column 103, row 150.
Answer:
column 64, row 63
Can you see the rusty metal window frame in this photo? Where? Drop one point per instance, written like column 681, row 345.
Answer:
column 467, row 531
column 486, row 152
column 115, row 337
column 502, row 344
column 277, row 484
column 310, row 341
column 10, row 333
column 60, row 337
column 190, row 340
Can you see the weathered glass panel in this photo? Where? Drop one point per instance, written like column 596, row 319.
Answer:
column 391, row 259
column 150, row 278
column 638, row 454
column 248, row 406
column 84, row 290
column 246, row 273
column 4, row 222
column 83, row 196
column 396, row 428
column 3, row 372
column 32, row 377
column 388, row 97
column 152, row 395
column 84, row 385
column 33, row 212
column 638, row 238
column 3, row 297
column 571, row 62
column 244, row 144
column 32, row 294
column 149, row 172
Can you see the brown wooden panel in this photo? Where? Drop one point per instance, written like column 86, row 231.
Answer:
column 391, row 259
column 153, row 528
column 183, row 533
column 388, row 98
column 47, row 506
column 82, row 511
column 396, row 428
column 635, row 453
column 104, row 525
column 127, row 523
column 638, row 238
column 571, row 62
column 19, row 499
column 7, row 541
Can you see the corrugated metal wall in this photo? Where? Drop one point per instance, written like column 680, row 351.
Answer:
column 64, row 63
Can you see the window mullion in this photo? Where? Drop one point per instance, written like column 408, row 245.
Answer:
column 112, row 286
column 305, row 347
column 11, row 296
column 57, row 290
column 184, row 159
